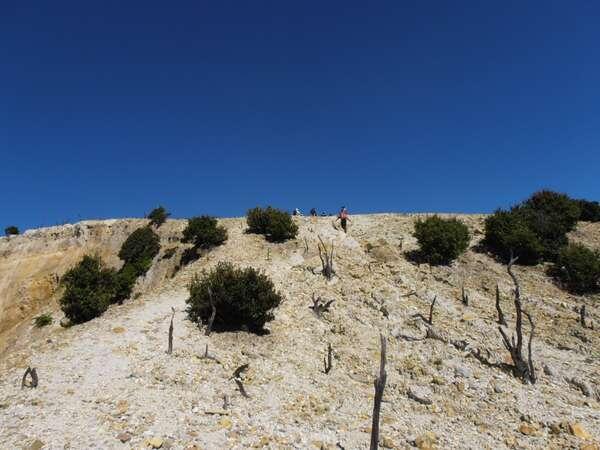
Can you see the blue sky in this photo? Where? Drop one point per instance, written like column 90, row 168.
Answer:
column 107, row 110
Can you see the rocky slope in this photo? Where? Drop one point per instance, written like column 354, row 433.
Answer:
column 109, row 383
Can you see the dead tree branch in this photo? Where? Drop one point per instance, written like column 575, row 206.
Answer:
column 212, row 314
column 170, row 347
column 34, row 378
column 327, row 359
column 582, row 315
column 521, row 368
column 318, row 306
column 379, row 384
column 209, row 356
column 326, row 259
column 238, row 380
column 501, row 319
column 430, row 321
column 464, row 297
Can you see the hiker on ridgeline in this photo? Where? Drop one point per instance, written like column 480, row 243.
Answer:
column 296, row 212
column 313, row 212
column 343, row 217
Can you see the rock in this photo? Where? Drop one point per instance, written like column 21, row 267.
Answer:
column 439, row 380
column 420, row 394
column 118, row 330
column 548, row 370
column 122, row 407
column 124, row 437
column 65, row 322
column 468, row 317
column 386, row 442
column 36, row 445
column 426, row 441
column 576, row 429
column 462, row 371
column 225, row 422
column 498, row 389
column 155, row 442
column 591, row 446
column 528, row 429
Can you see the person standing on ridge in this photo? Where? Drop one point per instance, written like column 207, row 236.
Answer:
column 343, row 217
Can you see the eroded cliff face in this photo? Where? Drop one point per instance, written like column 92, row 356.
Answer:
column 32, row 264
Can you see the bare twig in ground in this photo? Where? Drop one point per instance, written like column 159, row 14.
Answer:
column 582, row 315
column 521, row 368
column 305, row 245
column 318, row 306
column 501, row 319
column 170, row 345
column 238, row 380
column 379, row 384
column 226, row 402
column 212, row 314
column 427, row 320
column 464, row 297
column 34, row 378
column 327, row 359
column 326, row 259
column 209, row 356
column 430, row 321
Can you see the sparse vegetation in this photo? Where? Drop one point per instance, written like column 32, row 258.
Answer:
column 534, row 230
column 441, row 241
column 158, row 216
column 204, row 232
column 43, row 320
column 243, row 298
column 577, row 268
column 139, row 249
column 276, row 225
column 89, row 290
column 11, row 230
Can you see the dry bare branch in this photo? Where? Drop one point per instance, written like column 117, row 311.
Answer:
column 212, row 314
column 521, row 368
column 464, row 297
column 238, row 380
column 170, row 345
column 501, row 319
column 379, row 384
column 328, row 359
column 326, row 259
column 34, row 378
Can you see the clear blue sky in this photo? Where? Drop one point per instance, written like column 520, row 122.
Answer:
column 110, row 108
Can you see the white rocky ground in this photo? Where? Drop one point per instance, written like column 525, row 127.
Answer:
column 110, row 380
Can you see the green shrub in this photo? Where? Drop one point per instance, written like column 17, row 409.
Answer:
column 89, row 290
column 534, row 230
column 590, row 211
column 158, row 216
column 243, row 298
column 578, row 269
column 188, row 256
column 258, row 220
column 11, row 230
column 506, row 232
column 276, row 225
column 124, row 282
column 550, row 216
column 441, row 240
column 42, row 320
column 204, row 232
column 140, row 248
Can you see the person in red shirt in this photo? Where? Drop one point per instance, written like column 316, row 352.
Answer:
column 343, row 217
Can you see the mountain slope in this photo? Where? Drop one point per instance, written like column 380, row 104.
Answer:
column 111, row 376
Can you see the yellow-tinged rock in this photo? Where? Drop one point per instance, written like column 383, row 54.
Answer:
column 528, row 429
column 155, row 442
column 225, row 422
column 118, row 330
column 591, row 446
column 577, row 429
column 426, row 441
column 122, row 406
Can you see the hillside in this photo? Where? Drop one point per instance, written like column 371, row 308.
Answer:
column 110, row 380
